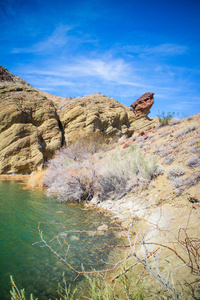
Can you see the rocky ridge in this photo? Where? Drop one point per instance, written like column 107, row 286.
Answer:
column 34, row 124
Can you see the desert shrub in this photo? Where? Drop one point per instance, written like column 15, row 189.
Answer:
column 192, row 149
column 74, row 182
column 179, row 191
column 91, row 143
column 128, row 287
column 81, row 148
column 164, row 152
column 192, row 180
column 193, row 142
column 165, row 133
column 165, row 118
column 71, row 174
column 174, row 121
column 36, row 179
column 159, row 171
column 185, row 131
column 193, row 162
column 141, row 144
column 75, row 178
column 175, row 171
column 17, row 294
column 169, row 160
column 174, row 145
column 157, row 148
column 120, row 170
column 140, row 139
column 150, row 136
column 178, row 182
column 183, row 183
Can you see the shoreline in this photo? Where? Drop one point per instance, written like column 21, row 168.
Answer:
column 16, row 177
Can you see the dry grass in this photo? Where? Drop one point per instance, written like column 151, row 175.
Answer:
column 36, row 179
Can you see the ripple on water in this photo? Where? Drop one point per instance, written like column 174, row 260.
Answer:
column 34, row 268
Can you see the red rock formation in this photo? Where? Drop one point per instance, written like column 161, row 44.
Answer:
column 141, row 107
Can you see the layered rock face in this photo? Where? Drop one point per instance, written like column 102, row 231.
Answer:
column 141, row 107
column 29, row 126
column 31, row 130
column 96, row 113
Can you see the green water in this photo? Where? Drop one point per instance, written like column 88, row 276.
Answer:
column 34, row 267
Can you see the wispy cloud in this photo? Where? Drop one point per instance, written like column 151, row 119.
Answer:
column 57, row 39
column 159, row 50
column 105, row 70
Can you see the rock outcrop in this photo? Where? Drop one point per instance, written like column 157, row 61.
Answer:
column 29, row 126
column 96, row 113
column 141, row 107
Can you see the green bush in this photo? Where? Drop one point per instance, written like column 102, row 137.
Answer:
column 165, row 118
column 128, row 287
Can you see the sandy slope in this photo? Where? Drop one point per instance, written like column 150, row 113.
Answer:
column 168, row 211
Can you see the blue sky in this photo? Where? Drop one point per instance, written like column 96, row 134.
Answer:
column 121, row 48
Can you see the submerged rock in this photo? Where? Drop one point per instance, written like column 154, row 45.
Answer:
column 103, row 227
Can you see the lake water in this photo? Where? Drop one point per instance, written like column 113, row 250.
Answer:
column 36, row 268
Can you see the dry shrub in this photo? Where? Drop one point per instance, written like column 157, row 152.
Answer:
column 174, row 172
column 91, row 143
column 36, row 179
column 75, row 175
column 122, row 170
column 193, row 161
column 185, row 131
column 74, row 182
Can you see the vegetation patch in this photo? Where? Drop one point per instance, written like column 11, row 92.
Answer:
column 77, row 173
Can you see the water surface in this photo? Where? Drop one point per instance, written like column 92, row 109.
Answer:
column 34, row 267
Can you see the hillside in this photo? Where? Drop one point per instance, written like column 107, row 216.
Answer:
column 164, row 215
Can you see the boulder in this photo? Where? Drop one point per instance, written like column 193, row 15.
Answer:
column 29, row 126
column 141, row 107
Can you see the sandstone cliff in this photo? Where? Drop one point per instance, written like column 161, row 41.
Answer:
column 33, row 124
column 29, row 126
column 95, row 113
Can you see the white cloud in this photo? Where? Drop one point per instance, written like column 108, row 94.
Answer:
column 115, row 77
column 95, row 71
column 48, row 82
column 56, row 40
column 159, row 50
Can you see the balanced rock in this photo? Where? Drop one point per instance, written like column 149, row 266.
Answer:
column 141, row 107
column 29, row 126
